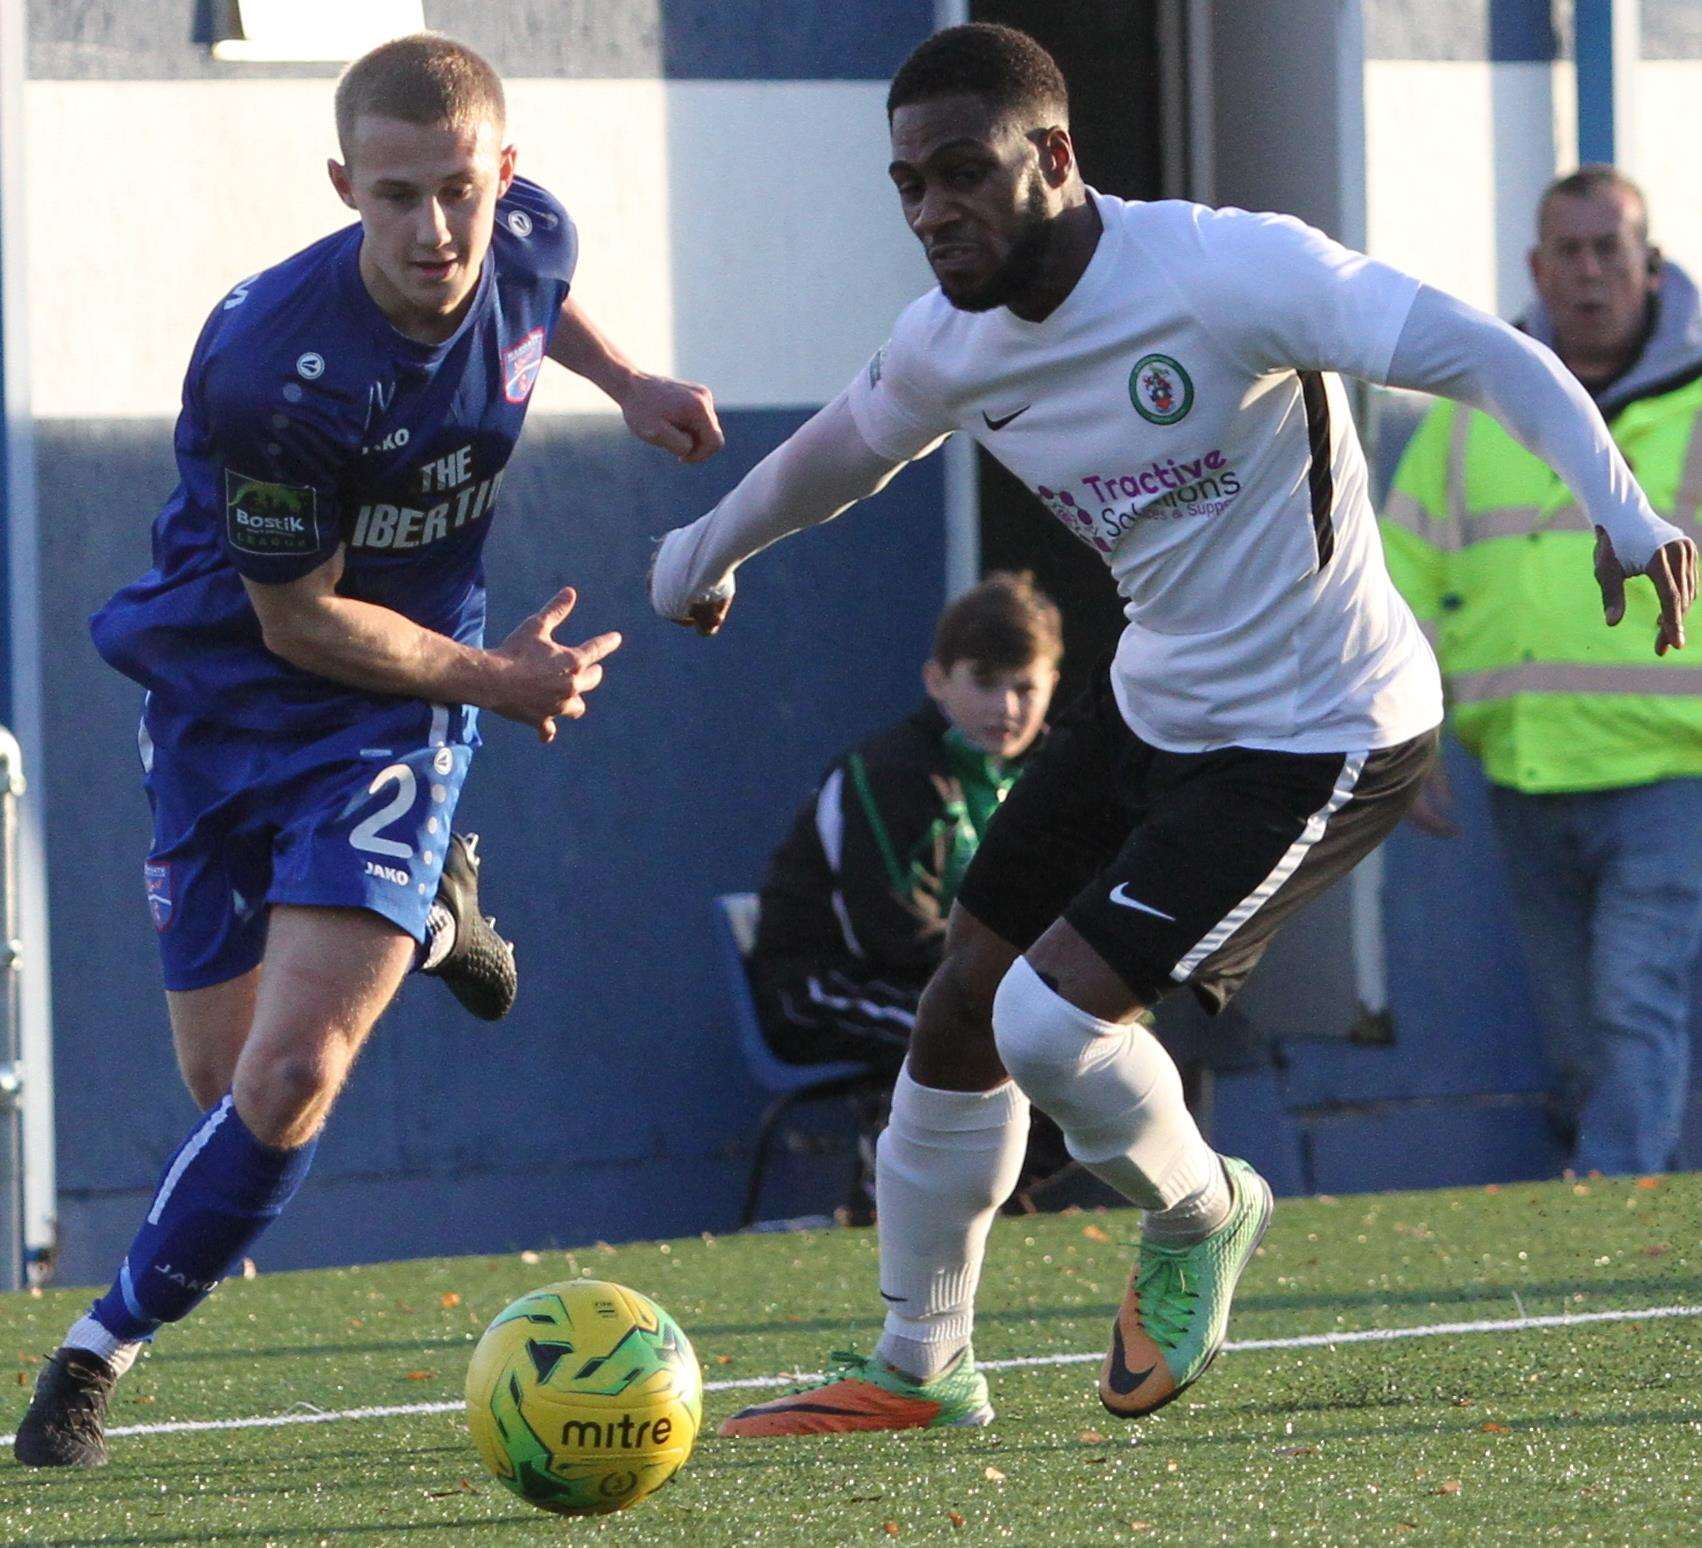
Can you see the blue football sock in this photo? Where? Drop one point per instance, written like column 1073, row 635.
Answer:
column 219, row 1192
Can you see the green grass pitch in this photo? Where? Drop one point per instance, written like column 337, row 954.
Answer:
column 1569, row 1434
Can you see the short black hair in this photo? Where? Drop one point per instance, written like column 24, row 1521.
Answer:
column 1006, row 68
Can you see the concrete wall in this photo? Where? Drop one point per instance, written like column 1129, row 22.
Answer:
column 725, row 167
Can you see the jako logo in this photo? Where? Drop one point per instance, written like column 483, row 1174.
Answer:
column 395, row 441
column 389, row 873
column 178, row 1277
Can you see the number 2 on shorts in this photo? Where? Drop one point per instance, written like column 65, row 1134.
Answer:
column 365, row 835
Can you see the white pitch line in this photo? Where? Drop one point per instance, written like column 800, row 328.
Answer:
column 747, row 1383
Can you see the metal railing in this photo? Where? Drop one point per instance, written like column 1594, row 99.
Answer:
column 11, row 1023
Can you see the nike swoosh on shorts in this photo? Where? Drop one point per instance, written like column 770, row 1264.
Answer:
column 999, row 424
column 1119, row 896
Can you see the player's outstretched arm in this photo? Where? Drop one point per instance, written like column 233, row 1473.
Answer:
column 677, row 416
column 823, row 468
column 1450, row 348
column 529, row 677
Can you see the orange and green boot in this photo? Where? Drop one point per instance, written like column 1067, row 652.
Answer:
column 1175, row 1315
column 867, row 1394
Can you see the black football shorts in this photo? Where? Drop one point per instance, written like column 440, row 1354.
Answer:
column 1178, row 868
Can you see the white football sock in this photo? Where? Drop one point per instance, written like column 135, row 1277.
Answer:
column 119, row 1353
column 944, row 1165
column 440, row 937
column 1117, row 1096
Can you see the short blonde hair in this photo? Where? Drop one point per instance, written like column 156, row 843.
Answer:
column 424, row 78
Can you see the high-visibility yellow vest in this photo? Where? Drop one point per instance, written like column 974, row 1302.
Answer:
column 1492, row 552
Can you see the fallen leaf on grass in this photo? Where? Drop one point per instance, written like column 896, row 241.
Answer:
column 993, row 1474
column 1297, row 1451
column 1490, row 1427
column 419, row 1375
column 1492, row 1187
column 1140, row 1526
column 1648, row 1184
column 723, row 1359
column 462, row 1486
column 1406, row 1526
column 528, row 1256
column 1096, row 1233
column 449, row 1298
column 1657, row 1250
column 1452, row 1486
column 1171, row 1465
column 956, row 1519
column 143, row 1397
column 23, row 1378
column 890, row 1528
column 1464, row 1402
column 1090, row 1437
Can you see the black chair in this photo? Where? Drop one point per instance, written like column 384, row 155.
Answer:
column 787, row 1084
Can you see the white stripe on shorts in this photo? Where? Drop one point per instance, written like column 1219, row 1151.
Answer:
column 439, row 733
column 144, row 742
column 1352, row 765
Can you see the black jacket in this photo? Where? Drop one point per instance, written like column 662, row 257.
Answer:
column 867, row 873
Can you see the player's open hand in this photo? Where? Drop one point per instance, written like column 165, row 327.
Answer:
column 1673, row 571
column 679, row 417
column 547, row 680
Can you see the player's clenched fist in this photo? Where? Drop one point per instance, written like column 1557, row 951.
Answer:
column 545, row 679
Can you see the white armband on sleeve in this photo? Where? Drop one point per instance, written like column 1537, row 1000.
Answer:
column 818, row 472
column 1456, row 351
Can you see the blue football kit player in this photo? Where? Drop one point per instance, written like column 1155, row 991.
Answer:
column 310, row 642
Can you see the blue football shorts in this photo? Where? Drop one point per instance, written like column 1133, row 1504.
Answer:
column 358, row 818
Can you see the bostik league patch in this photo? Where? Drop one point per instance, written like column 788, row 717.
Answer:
column 266, row 518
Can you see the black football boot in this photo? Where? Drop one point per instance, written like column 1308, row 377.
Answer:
column 66, row 1422
column 479, row 968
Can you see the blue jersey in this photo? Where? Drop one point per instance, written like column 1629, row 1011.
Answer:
column 308, row 421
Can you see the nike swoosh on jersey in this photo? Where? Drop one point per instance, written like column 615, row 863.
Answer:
column 999, row 424
column 1119, row 894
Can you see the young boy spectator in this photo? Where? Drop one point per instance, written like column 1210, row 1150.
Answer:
column 854, row 905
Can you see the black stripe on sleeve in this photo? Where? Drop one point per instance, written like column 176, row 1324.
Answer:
column 1317, row 400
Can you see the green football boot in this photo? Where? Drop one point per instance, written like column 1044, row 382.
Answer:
column 1176, row 1312
column 867, row 1394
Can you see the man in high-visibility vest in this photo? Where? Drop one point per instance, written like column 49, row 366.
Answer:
column 1592, row 749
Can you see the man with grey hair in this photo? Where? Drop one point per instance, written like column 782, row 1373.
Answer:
column 1593, row 752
